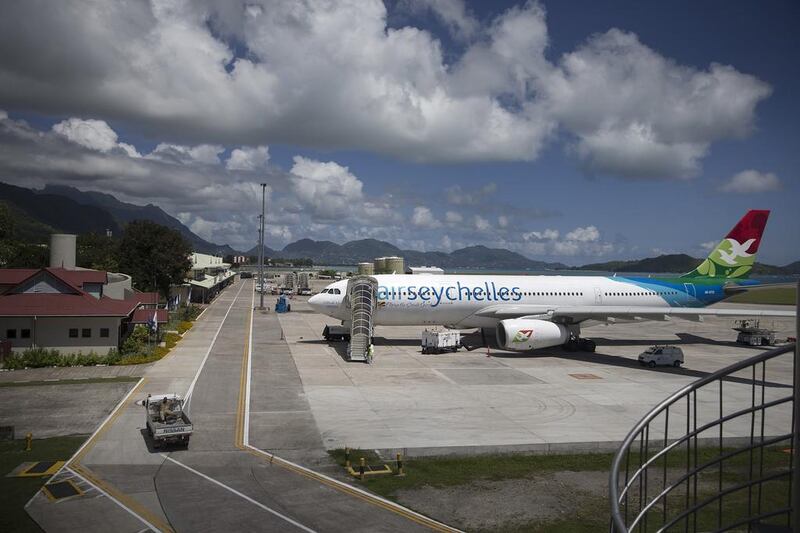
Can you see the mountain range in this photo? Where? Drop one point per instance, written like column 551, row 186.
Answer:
column 350, row 253
column 58, row 208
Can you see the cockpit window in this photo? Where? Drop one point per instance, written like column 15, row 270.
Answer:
column 336, row 291
column 325, row 290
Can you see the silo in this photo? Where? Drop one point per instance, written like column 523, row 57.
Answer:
column 395, row 265
column 62, row 250
column 366, row 269
column 380, row 265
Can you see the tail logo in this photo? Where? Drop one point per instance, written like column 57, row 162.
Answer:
column 735, row 251
column 523, row 335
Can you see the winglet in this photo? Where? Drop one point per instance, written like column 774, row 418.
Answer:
column 734, row 256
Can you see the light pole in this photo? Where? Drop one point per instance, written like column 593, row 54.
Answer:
column 261, row 247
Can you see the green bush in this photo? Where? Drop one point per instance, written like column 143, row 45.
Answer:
column 137, row 341
column 187, row 312
column 42, row 357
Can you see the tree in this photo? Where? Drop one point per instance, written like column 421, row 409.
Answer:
column 98, row 252
column 154, row 255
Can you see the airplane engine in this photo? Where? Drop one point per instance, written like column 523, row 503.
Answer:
column 529, row 334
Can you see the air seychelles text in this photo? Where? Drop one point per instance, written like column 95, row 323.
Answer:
column 486, row 292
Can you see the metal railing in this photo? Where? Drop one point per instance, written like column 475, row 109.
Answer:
column 662, row 481
column 681, row 469
column 361, row 292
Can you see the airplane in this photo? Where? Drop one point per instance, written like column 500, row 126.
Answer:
column 531, row 312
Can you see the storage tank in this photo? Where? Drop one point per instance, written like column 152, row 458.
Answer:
column 62, row 250
column 366, row 269
column 395, row 265
column 380, row 265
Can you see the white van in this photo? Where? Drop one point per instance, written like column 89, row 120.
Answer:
column 662, row 356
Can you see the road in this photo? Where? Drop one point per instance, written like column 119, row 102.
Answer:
column 224, row 480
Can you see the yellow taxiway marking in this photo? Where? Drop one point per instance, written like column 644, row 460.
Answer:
column 241, row 423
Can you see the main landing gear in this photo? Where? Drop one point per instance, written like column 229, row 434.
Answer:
column 577, row 344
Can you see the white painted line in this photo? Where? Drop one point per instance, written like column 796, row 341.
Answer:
column 188, row 396
column 405, row 510
column 246, row 433
column 96, row 431
column 243, row 496
column 107, row 495
column 273, row 457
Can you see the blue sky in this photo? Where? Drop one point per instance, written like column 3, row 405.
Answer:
column 568, row 131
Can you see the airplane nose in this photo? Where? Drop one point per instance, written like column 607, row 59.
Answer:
column 314, row 302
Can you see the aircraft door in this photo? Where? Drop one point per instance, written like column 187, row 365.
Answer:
column 598, row 296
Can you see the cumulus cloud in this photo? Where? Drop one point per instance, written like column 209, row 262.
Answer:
column 587, row 234
column 203, row 154
column 481, row 224
column 335, row 75
column 423, row 218
column 752, row 181
column 93, row 134
column 546, row 235
column 248, row 158
column 638, row 114
column 327, row 188
column 502, row 221
column 452, row 13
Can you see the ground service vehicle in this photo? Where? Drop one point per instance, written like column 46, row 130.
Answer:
column 167, row 423
column 661, row 355
column 437, row 341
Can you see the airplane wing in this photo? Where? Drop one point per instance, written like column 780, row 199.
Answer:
column 609, row 313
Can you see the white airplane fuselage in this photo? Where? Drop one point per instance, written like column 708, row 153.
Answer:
column 454, row 300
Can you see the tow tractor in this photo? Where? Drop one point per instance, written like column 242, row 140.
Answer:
column 167, row 422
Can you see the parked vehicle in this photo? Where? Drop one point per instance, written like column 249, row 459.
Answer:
column 336, row 333
column 166, row 420
column 282, row 305
column 437, row 341
column 661, row 356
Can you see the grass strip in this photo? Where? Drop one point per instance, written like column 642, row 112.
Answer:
column 16, row 491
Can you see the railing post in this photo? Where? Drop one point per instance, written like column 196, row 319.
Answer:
column 796, row 423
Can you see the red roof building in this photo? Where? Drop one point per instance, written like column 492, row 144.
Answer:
column 66, row 310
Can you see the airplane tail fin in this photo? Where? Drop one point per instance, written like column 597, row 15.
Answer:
column 734, row 256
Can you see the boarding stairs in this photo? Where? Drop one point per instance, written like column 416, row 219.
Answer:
column 361, row 300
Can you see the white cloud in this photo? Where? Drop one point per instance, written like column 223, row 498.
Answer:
column 248, row 158
column 453, row 13
column 327, row 188
column 93, row 134
column 502, row 221
column 3, row 114
column 334, row 75
column 456, row 195
column 423, row 218
column 453, row 218
column 752, row 181
column 546, row 235
column 587, row 234
column 708, row 246
column 638, row 114
column 481, row 224
column 204, row 154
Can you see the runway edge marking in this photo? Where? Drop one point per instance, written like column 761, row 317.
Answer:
column 244, row 444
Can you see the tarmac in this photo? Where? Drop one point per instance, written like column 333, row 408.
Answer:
column 498, row 401
column 269, row 398
column 223, row 481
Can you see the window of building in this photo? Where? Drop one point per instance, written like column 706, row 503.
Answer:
column 11, row 334
column 86, row 332
column 104, row 332
column 73, row 333
column 25, row 333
